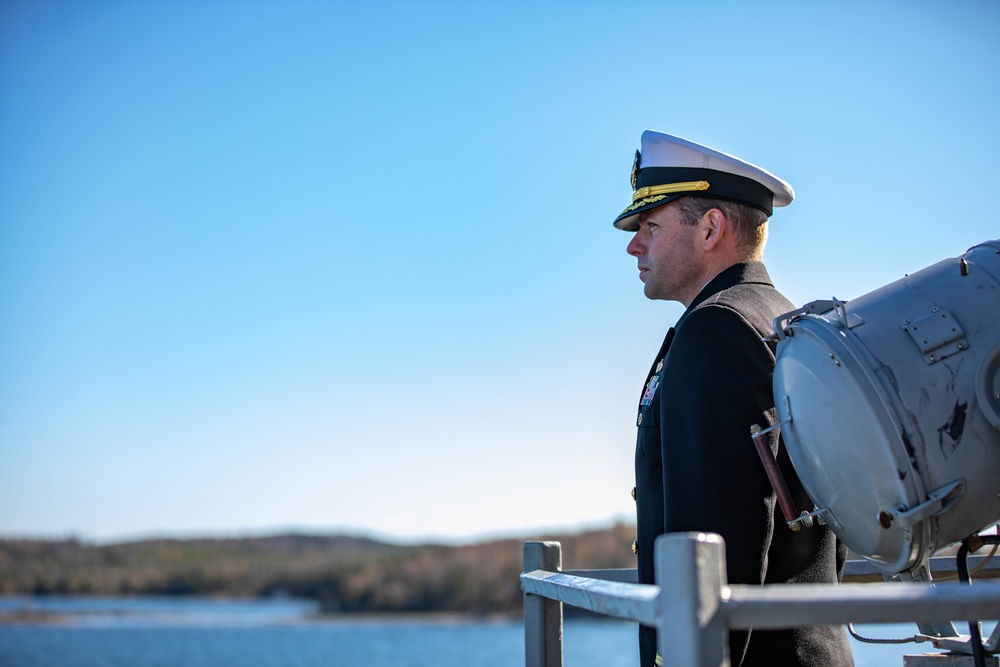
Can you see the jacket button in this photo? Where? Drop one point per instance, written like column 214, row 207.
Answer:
column 638, row 422
column 633, row 493
column 635, row 547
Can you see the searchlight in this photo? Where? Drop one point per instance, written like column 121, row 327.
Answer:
column 889, row 406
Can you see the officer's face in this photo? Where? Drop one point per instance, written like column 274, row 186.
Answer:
column 667, row 254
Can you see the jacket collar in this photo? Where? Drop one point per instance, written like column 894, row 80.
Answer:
column 743, row 272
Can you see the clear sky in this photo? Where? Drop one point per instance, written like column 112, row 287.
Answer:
column 346, row 266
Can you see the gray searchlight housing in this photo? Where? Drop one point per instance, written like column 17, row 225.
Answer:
column 889, row 407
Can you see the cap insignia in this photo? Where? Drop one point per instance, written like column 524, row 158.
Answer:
column 636, row 165
column 643, row 202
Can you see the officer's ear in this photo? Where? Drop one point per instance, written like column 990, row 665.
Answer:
column 713, row 227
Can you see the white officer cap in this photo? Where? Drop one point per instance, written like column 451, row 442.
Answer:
column 668, row 167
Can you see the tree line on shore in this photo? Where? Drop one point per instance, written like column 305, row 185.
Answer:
column 346, row 574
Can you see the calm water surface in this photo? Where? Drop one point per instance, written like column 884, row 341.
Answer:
column 154, row 632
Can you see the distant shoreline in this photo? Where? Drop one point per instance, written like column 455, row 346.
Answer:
column 349, row 577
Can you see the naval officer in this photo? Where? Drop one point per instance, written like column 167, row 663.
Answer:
column 699, row 218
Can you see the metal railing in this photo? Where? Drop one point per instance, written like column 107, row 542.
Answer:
column 693, row 607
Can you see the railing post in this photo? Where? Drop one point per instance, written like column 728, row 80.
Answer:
column 691, row 573
column 542, row 617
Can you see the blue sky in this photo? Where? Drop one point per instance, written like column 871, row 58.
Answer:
column 329, row 267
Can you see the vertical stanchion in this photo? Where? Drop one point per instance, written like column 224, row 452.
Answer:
column 691, row 573
column 542, row 617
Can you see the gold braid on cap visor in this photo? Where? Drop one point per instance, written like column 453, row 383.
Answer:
column 669, row 188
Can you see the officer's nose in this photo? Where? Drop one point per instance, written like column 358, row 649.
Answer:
column 635, row 246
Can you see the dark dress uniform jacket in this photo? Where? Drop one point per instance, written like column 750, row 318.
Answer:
column 697, row 469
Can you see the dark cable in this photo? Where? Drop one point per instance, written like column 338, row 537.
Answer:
column 975, row 638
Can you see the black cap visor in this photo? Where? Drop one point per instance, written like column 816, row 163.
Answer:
column 710, row 183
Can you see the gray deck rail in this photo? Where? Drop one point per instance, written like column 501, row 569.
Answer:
column 694, row 608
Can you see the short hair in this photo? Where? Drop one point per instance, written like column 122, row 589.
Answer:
column 749, row 223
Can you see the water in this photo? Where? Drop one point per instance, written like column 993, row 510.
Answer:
column 175, row 632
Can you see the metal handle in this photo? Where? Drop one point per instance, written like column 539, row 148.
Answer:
column 774, row 474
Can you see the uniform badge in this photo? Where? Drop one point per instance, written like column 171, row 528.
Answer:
column 647, row 396
column 636, row 165
column 652, row 386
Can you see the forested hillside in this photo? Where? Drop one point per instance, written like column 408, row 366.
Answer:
column 346, row 574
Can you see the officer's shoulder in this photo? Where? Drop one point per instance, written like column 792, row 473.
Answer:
column 713, row 318
column 754, row 303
